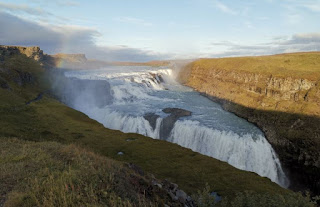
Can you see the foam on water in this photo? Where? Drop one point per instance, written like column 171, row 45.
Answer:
column 210, row 130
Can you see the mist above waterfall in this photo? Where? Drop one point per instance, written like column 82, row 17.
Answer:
column 146, row 100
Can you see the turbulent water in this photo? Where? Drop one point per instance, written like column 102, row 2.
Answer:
column 129, row 93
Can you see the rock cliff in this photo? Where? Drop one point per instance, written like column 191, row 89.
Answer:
column 280, row 94
column 31, row 52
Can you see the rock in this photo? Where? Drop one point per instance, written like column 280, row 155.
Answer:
column 177, row 112
column 31, row 52
column 173, row 197
column 217, row 198
column 23, row 78
column 152, row 119
column 174, row 186
column 190, row 202
column 120, row 153
column 155, row 183
column 168, row 122
column 130, row 139
column 181, row 195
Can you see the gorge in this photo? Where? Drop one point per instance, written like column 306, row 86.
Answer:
column 148, row 101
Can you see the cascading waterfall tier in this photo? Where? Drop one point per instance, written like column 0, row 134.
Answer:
column 135, row 98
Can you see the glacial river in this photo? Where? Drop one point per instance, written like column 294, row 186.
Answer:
column 134, row 91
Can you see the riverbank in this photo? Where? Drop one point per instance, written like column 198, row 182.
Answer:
column 280, row 94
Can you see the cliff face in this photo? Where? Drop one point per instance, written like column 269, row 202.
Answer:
column 260, row 91
column 284, row 102
column 31, row 52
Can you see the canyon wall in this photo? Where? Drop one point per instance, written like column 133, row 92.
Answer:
column 280, row 94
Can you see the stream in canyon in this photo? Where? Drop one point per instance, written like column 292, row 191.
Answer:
column 148, row 101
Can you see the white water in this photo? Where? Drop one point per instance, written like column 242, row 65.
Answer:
column 210, row 130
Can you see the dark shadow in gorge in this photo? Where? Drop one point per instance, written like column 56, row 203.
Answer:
column 295, row 138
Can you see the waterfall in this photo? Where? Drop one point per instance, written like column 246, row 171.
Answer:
column 133, row 92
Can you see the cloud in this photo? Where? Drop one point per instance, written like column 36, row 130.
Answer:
column 304, row 40
column 23, row 8
column 312, row 5
column 224, row 8
column 68, row 3
column 57, row 2
column 132, row 20
column 66, row 39
column 281, row 44
column 32, row 12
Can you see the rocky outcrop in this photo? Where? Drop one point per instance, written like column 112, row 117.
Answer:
column 31, row 52
column 286, row 106
column 167, row 123
column 177, row 197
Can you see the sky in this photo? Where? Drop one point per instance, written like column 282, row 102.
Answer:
column 144, row 30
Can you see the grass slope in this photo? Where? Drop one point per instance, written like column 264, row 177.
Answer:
column 52, row 174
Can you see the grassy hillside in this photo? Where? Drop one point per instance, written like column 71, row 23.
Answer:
column 49, row 120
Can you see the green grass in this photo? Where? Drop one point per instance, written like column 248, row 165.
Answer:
column 296, row 65
column 52, row 174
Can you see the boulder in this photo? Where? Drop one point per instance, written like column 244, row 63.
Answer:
column 181, row 195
